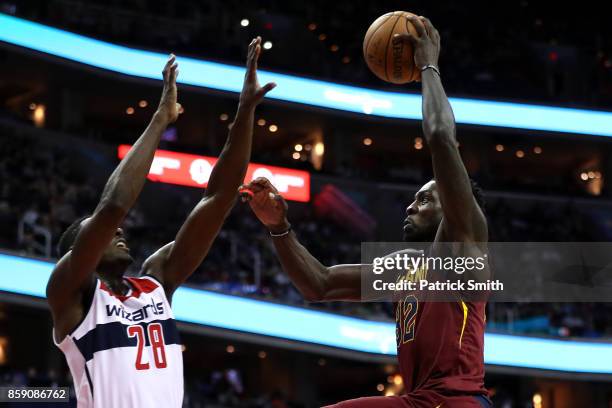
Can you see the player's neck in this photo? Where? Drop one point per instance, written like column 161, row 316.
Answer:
column 112, row 276
column 116, row 284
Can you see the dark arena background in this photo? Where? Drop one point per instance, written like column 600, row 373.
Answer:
column 531, row 87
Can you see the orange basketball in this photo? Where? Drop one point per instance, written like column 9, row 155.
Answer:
column 390, row 62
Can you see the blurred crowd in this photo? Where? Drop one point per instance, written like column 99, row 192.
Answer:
column 540, row 54
column 42, row 190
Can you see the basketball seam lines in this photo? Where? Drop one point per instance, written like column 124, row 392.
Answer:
column 374, row 32
column 387, row 47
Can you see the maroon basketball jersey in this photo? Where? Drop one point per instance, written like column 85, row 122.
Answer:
column 440, row 346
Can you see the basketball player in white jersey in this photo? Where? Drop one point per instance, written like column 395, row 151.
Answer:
column 119, row 334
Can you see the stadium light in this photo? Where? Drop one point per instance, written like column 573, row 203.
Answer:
column 400, row 105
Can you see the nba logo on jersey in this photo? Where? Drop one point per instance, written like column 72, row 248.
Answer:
column 127, row 352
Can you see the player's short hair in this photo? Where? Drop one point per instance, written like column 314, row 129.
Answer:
column 479, row 196
column 68, row 237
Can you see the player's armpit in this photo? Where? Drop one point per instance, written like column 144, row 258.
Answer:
column 175, row 262
column 463, row 218
column 74, row 273
column 154, row 264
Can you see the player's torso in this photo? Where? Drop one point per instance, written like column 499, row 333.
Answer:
column 440, row 344
column 126, row 352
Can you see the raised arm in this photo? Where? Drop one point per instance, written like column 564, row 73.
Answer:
column 315, row 281
column 173, row 263
column 463, row 220
column 74, row 272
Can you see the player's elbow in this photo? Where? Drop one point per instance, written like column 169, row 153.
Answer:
column 440, row 136
column 112, row 209
column 318, row 290
column 313, row 296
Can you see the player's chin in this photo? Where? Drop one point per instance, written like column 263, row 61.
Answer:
column 122, row 256
column 412, row 233
column 409, row 234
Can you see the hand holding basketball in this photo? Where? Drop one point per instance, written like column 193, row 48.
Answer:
column 426, row 45
column 398, row 44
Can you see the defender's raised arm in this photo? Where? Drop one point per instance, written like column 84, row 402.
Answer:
column 81, row 254
column 173, row 263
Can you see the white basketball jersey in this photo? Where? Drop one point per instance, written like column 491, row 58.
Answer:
column 126, row 353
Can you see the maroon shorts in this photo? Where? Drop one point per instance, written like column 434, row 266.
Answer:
column 406, row 401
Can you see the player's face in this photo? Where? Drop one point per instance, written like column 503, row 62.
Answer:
column 423, row 216
column 117, row 250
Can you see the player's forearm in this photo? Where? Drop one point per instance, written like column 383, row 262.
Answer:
column 307, row 274
column 128, row 179
column 438, row 118
column 231, row 167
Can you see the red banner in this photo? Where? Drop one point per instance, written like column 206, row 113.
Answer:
column 194, row 171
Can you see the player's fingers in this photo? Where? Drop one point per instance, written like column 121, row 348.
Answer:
column 404, row 38
column 245, row 194
column 259, row 181
column 256, row 56
column 437, row 35
column 433, row 31
column 265, row 89
column 257, row 50
column 252, row 71
column 280, row 201
column 262, row 181
column 270, row 186
column 179, row 108
column 260, row 198
column 253, row 53
column 170, row 61
column 418, row 25
column 251, row 47
column 250, row 53
column 256, row 188
column 428, row 26
column 173, row 72
column 248, row 189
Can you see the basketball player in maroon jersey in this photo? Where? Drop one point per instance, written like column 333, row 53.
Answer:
column 441, row 346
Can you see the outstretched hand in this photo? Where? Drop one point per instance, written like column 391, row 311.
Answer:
column 252, row 93
column 267, row 204
column 169, row 108
column 426, row 46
